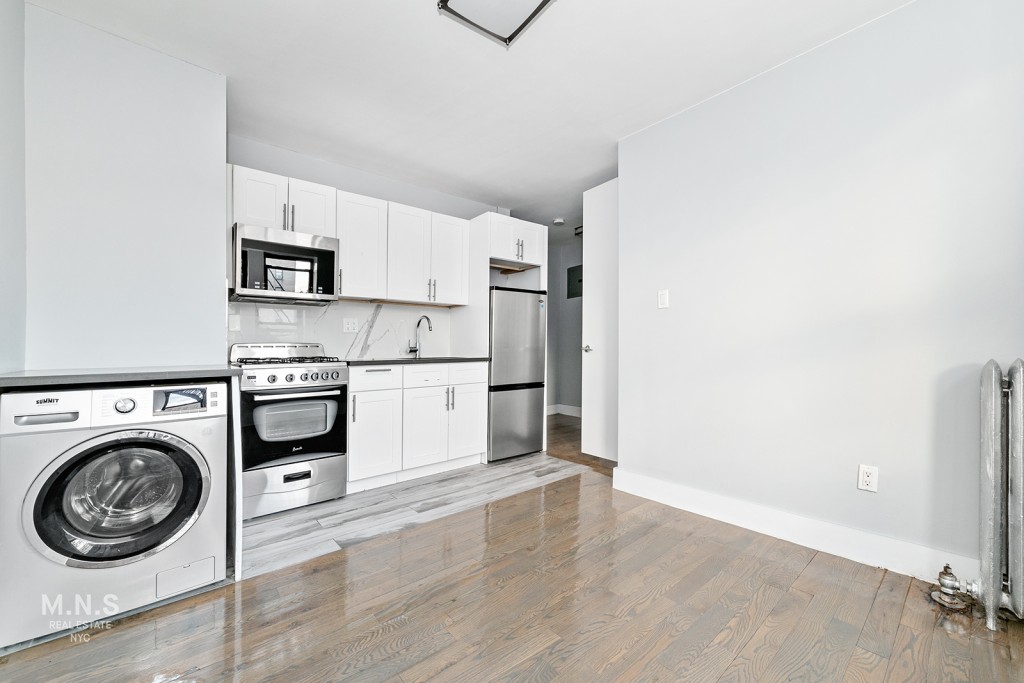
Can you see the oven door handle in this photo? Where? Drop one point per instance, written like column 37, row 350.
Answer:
column 288, row 397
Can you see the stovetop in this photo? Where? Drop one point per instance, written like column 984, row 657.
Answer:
column 288, row 361
column 287, row 366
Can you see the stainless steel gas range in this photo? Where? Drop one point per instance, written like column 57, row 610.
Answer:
column 294, row 435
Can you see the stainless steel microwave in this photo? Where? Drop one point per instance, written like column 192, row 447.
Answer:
column 282, row 266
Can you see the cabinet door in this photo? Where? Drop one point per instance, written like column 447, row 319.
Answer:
column 259, row 198
column 503, row 238
column 449, row 259
column 467, row 420
column 375, row 433
column 312, row 208
column 425, row 426
column 363, row 232
column 408, row 253
column 532, row 240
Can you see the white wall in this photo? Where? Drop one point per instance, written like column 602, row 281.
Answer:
column 12, row 184
column 842, row 238
column 565, row 328
column 259, row 155
column 125, row 200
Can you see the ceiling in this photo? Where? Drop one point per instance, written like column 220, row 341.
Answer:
column 396, row 88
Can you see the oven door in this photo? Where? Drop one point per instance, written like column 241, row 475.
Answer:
column 292, row 426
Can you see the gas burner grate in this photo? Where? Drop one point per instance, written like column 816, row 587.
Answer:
column 288, row 361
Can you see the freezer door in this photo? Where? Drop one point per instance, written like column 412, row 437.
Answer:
column 516, row 420
column 518, row 329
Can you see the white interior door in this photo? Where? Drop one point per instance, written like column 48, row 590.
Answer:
column 600, row 435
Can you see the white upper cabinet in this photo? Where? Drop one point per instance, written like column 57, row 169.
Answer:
column 259, row 198
column 312, row 208
column 274, row 201
column 409, row 254
column 428, row 257
column 516, row 240
column 449, row 259
column 363, row 232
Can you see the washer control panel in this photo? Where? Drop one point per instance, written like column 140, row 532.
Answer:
column 119, row 406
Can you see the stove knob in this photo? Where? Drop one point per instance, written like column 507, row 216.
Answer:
column 124, row 406
column 304, row 377
column 314, row 377
column 272, row 378
column 335, row 375
column 325, row 377
column 289, row 377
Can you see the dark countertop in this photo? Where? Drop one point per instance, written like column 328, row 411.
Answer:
column 414, row 361
column 27, row 379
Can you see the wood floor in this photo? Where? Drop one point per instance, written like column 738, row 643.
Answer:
column 568, row 581
column 287, row 538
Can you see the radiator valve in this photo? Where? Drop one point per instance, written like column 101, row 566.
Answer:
column 949, row 586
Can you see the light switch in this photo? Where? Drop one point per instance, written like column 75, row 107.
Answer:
column 662, row 298
column 350, row 325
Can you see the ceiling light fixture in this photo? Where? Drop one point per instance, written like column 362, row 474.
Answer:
column 558, row 222
column 502, row 20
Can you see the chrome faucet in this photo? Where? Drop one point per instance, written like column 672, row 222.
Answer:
column 419, row 344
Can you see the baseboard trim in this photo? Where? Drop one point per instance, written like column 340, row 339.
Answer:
column 560, row 409
column 904, row 557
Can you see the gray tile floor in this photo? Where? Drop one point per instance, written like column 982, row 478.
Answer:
column 294, row 536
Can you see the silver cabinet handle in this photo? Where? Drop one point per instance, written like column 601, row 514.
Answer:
column 428, row 289
column 293, row 217
column 587, row 348
column 379, row 369
column 435, row 290
column 284, row 216
column 341, row 273
column 354, row 397
column 453, row 398
column 447, row 404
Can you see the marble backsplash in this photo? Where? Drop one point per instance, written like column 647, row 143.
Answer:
column 383, row 330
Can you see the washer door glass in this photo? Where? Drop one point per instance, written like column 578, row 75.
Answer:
column 121, row 499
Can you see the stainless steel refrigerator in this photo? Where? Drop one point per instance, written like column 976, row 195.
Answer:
column 516, row 392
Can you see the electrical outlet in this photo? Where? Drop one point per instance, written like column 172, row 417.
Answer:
column 662, row 298
column 867, row 478
column 350, row 325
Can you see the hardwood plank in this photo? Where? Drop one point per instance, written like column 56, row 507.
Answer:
column 919, row 612
column 909, row 660
column 753, row 660
column 990, row 661
column 865, row 667
column 950, row 659
column 879, row 632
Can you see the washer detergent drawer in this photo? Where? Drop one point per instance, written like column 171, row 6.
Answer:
column 282, row 487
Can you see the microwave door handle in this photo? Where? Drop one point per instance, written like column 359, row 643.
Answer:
column 288, row 397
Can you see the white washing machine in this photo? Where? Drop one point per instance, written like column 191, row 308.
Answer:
column 110, row 499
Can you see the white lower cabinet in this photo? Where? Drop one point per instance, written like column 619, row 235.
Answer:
column 439, row 416
column 375, row 433
column 443, row 422
column 467, row 420
column 425, row 426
